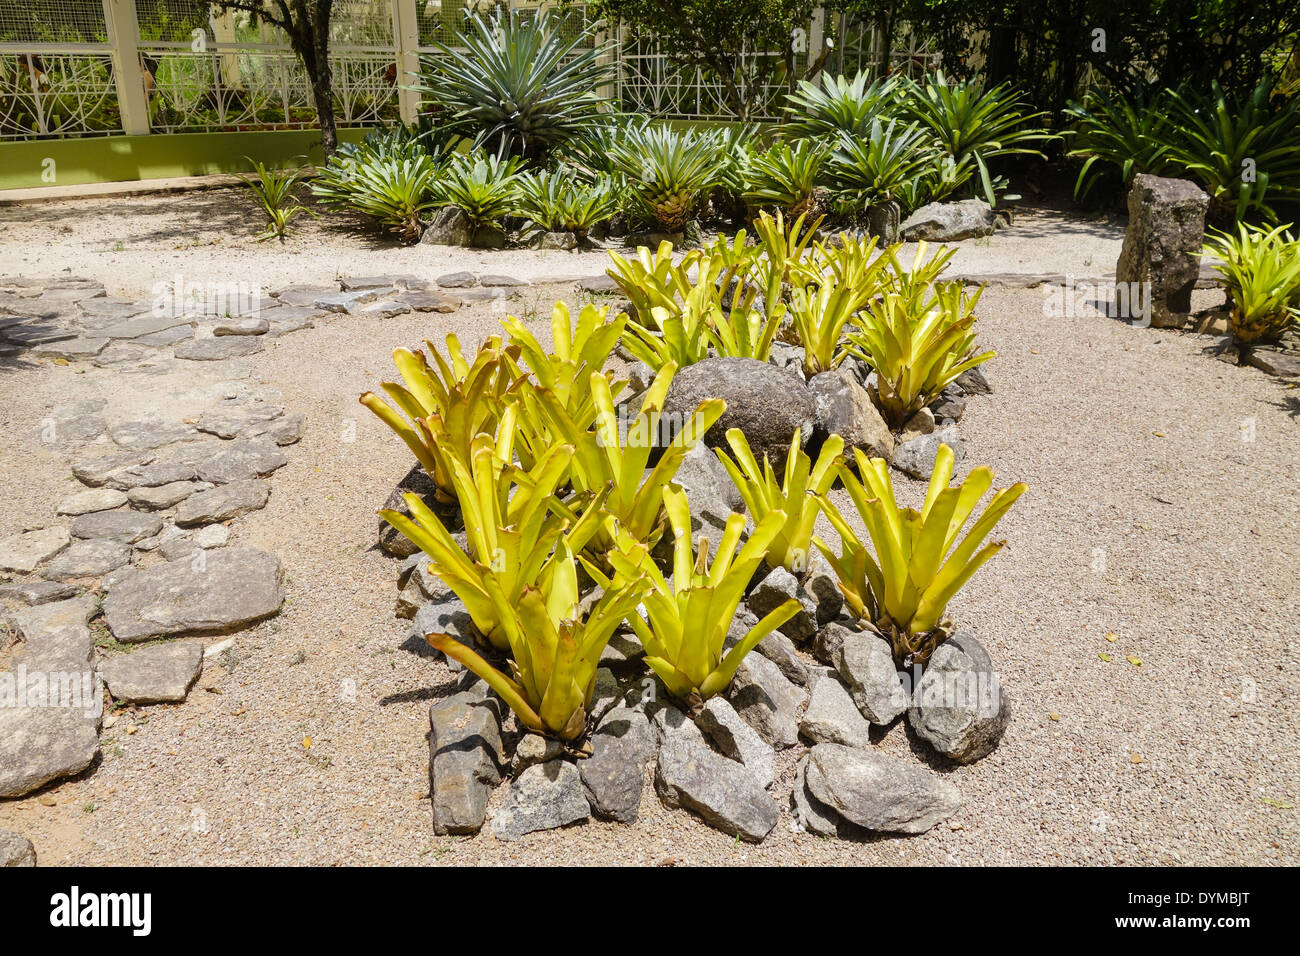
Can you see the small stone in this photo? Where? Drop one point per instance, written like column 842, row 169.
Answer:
column 283, row 431
column 231, row 588
column 211, row 536
column 56, row 637
column 917, row 456
column 16, row 850
column 543, row 797
column 833, row 718
column 163, row 496
column 125, row 527
column 534, row 749
column 346, row 302
column 431, row 302
column 671, row 724
column 779, row 649
column 959, row 706
column 96, row 470
column 23, row 552
column 813, row 816
column 157, row 674
column 879, row 792
column 229, row 421
column 95, row 499
column 973, row 381
column 866, row 664
column 218, row 348
column 501, row 280
column 226, row 501
column 614, row 775
column 37, row 593
column 242, row 327
column 457, row 280
column 464, row 759
column 767, row 701
column 734, row 738
column 921, row 423
column 774, row 590
column 150, row 476
column 384, row 310
column 88, row 559
column 240, row 460
column 1273, row 362
column 150, row 432
column 724, row 793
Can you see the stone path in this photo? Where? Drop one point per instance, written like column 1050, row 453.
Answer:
column 140, row 555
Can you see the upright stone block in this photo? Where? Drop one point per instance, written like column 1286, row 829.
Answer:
column 1166, row 228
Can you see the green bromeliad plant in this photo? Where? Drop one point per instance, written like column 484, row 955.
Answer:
column 919, row 559
column 882, row 164
column 554, row 646
column 563, row 202
column 687, row 619
column 797, row 494
column 273, row 190
column 483, row 187
column 668, row 170
column 441, row 408
column 841, row 105
column 1261, row 270
column 787, row 176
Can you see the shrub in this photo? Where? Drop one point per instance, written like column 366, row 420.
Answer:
column 517, row 85
column 668, row 170
column 1130, row 135
column 787, row 176
column 1261, row 270
column 483, row 187
column 273, row 191
column 882, row 164
column 842, row 106
column 562, row 202
column 904, row 588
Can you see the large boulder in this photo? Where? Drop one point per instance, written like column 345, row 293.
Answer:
column 1166, row 229
column 949, row 221
column 450, row 227
column 765, row 402
column 844, row 408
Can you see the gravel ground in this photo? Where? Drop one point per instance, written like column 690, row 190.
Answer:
column 1148, row 517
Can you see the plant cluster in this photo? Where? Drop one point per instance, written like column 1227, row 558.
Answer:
column 1261, row 271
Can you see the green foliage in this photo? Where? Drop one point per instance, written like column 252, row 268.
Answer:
column 882, row 164
column 1261, row 270
column 517, row 84
column 787, row 176
column 905, row 586
column 274, row 192
column 796, row 494
column 668, row 170
column 483, row 187
column 563, row 202
column 840, row 106
column 1130, row 135
column 687, row 620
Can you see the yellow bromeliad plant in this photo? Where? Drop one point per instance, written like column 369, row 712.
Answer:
column 916, row 347
column 511, row 526
column 687, row 620
column 554, row 649
column 905, row 588
column 607, row 459
column 797, row 494
column 441, row 409
column 830, row 289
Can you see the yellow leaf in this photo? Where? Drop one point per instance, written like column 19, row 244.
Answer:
column 46, row 800
column 1159, row 434
column 60, row 361
column 1135, row 758
column 1105, row 657
column 306, row 743
column 1112, row 636
column 1280, row 804
column 1135, row 660
column 1054, row 716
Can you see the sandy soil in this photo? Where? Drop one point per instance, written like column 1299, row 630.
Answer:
column 1148, row 517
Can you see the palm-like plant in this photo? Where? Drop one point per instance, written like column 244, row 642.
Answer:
column 517, row 84
column 880, row 165
column 842, row 106
column 668, row 170
column 484, row 187
column 563, row 202
column 398, row 192
column 1112, row 130
column 273, row 190
column 787, row 176
column 1246, row 155
column 972, row 124
column 1261, row 270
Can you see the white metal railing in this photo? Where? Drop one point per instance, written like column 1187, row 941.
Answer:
column 102, row 67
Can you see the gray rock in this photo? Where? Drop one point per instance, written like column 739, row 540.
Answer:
column 156, row 674
column 88, row 559
column 829, row 639
column 223, row 502
column 543, row 797
column 951, row 405
column 767, row 701
column 709, row 489
column 564, row 241
column 126, row 527
column 724, row 793
column 36, row 593
column 777, row 587
column 605, row 694
column 465, row 759
column 823, row 587
column 917, row 456
column 614, row 775
column 393, row 542
column 80, row 347
column 959, row 706
column 833, row 718
column 218, row 348
column 457, row 280
column 845, row 408
column 24, row 552
column 1273, row 362
column 163, row 496
column 813, row 816
column 780, row 650
column 56, row 637
column 96, row 470
column 1166, row 230
column 949, row 221
column 734, row 738
column 445, row 616
column 431, row 301
column 766, row 403
column 671, row 724
column 232, row 588
column 242, row 327
column 866, row 664
column 229, row 421
column 93, row 499
column 167, row 336
column 450, row 227
column 386, row 309
column 345, row 302
column 501, row 280
column 302, row 297
column 145, row 325
column 16, row 849
column 240, row 460
column 534, row 749
column 882, row 221
column 879, row 792
column 150, row 432
column 150, row 476
column 920, row 423
column 41, row 744
column 283, row 431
